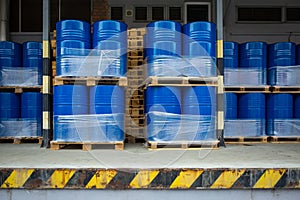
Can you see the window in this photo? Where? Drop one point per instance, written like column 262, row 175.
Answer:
column 197, row 12
column 175, row 13
column 293, row 14
column 116, row 13
column 259, row 14
column 27, row 15
column 141, row 13
column 157, row 13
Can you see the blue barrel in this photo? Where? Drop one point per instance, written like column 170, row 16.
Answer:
column 163, row 99
column 107, row 99
column 31, row 105
column 252, row 106
column 298, row 54
column 111, row 35
column 70, row 56
column 199, row 39
column 297, row 106
column 10, row 54
column 32, row 54
column 280, row 106
column 253, row 55
column 164, row 39
column 199, row 100
column 231, row 55
column 230, row 105
column 73, row 30
column 9, row 105
column 282, row 54
column 70, row 100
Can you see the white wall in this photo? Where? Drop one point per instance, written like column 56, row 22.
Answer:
column 259, row 32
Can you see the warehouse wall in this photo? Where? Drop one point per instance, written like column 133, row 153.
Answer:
column 268, row 32
column 100, row 10
column 131, row 4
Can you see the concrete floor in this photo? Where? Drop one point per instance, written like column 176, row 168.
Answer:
column 136, row 156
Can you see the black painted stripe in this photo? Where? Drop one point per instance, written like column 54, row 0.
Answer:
column 4, row 174
column 39, row 178
column 164, row 179
column 220, row 66
column 121, row 180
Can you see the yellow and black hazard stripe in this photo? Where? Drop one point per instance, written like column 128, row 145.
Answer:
column 149, row 179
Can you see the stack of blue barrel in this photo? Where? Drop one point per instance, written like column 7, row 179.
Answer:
column 199, row 49
column 280, row 109
column 163, row 48
column 245, row 115
column 253, row 59
column 282, row 60
column 32, row 58
column 110, row 46
column 180, row 113
column 72, row 44
column 88, row 114
column 231, row 63
column 20, row 115
column 10, row 54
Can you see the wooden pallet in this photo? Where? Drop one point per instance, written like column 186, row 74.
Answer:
column 180, row 81
column 136, row 112
column 134, row 92
column 135, row 122
column 136, row 32
column 135, row 43
column 246, row 140
column 284, row 139
column 86, row 146
column 139, row 73
column 285, row 89
column 90, row 81
column 136, row 102
column 53, row 44
column 183, row 145
column 131, row 139
column 20, row 89
column 134, row 62
column 133, row 53
column 247, row 89
column 21, row 140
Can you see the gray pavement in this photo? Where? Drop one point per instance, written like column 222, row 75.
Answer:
column 137, row 156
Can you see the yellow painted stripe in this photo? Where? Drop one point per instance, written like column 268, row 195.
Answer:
column 186, row 178
column 220, row 49
column 143, row 178
column 17, row 178
column 46, row 84
column 46, row 49
column 220, row 120
column 46, row 120
column 269, row 178
column 228, row 178
column 101, row 179
column 220, row 84
column 61, row 177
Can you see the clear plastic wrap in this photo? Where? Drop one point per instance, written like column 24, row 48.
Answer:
column 283, row 127
column 20, row 128
column 246, row 77
column 284, row 75
column 91, row 62
column 164, row 127
column 89, row 128
column 204, row 66
column 20, row 76
column 244, row 128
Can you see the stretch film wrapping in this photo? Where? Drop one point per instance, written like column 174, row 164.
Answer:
column 284, row 75
column 164, row 126
column 20, row 128
column 20, row 76
column 89, row 128
column 244, row 128
column 247, row 77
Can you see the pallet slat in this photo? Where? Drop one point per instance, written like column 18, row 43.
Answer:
column 21, row 140
column 183, row 145
column 90, row 81
column 20, row 89
column 244, row 140
column 85, row 146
